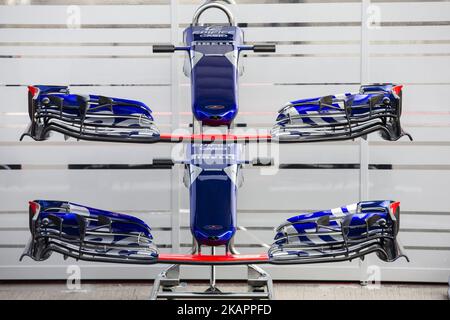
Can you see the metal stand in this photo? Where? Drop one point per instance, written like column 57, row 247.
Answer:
column 259, row 286
column 259, row 283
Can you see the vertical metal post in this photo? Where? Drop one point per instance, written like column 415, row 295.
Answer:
column 364, row 60
column 364, row 76
column 212, row 279
column 174, row 102
column 363, row 143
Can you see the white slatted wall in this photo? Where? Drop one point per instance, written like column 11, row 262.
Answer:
column 318, row 52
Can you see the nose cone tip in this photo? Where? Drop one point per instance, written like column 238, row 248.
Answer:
column 214, row 238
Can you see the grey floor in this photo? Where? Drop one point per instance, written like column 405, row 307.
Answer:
column 283, row 290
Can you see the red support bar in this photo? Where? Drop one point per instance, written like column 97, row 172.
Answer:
column 214, row 137
column 213, row 260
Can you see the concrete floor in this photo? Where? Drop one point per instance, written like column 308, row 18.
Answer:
column 283, row 290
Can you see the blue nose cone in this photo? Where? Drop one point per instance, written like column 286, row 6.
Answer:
column 213, row 208
column 214, row 90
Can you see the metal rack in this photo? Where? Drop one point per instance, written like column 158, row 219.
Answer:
column 259, row 284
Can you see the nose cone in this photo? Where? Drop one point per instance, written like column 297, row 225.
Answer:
column 213, row 205
column 215, row 117
column 214, row 86
column 211, row 238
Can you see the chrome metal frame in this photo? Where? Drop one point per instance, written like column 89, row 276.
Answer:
column 260, row 285
column 213, row 4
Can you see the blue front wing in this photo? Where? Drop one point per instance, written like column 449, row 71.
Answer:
column 91, row 234
column 87, row 233
column 88, row 117
column 376, row 107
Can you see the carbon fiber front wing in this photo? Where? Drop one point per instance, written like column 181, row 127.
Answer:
column 375, row 108
column 91, row 234
column 87, row 233
column 88, row 117
column 340, row 234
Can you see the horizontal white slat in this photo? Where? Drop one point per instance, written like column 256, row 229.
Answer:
column 298, row 12
column 127, row 14
column 92, row 14
column 303, row 34
column 426, row 98
column 314, row 153
column 15, row 220
column 298, row 189
column 409, row 69
column 244, row 12
column 119, row 189
column 425, row 118
column 414, row 11
column 397, row 50
column 418, row 190
column 82, row 71
column 41, row 153
column 64, row 36
column 403, row 33
column 428, row 239
column 410, row 154
column 424, row 220
column 26, row 51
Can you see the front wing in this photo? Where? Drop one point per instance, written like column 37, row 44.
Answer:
column 90, row 234
column 376, row 108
